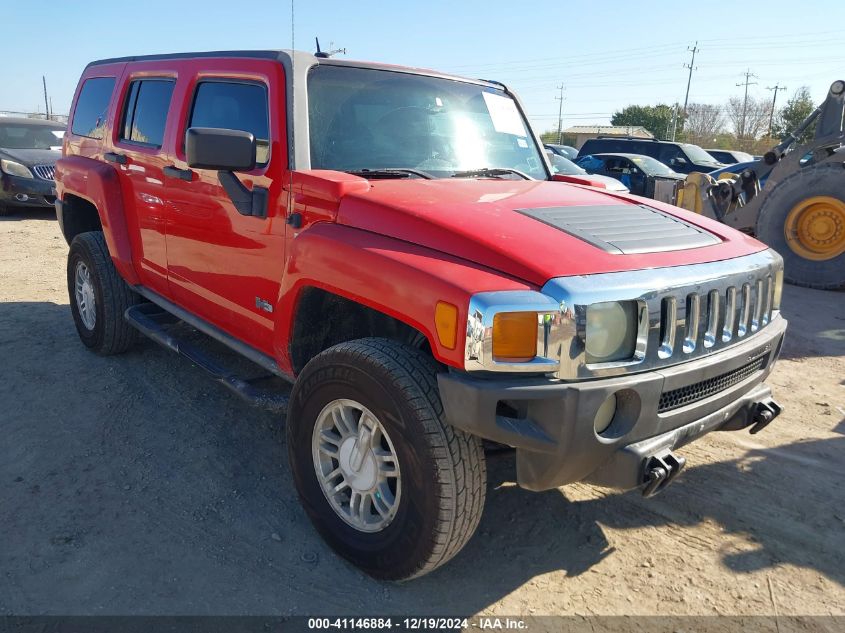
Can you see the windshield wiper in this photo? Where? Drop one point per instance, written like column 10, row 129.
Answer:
column 489, row 172
column 389, row 172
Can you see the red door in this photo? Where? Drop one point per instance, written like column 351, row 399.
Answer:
column 139, row 152
column 223, row 266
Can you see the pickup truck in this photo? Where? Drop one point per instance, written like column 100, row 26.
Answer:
column 393, row 243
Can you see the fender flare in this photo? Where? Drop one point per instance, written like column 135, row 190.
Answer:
column 399, row 279
column 99, row 184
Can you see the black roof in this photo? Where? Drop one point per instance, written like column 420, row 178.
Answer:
column 282, row 54
column 260, row 54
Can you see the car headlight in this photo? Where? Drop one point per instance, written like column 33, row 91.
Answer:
column 15, row 169
column 611, row 331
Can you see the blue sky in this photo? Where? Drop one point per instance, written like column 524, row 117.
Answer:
column 607, row 56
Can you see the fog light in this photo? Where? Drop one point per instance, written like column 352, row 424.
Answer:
column 604, row 416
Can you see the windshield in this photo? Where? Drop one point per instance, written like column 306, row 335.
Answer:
column 365, row 119
column 24, row 136
column 561, row 165
column 651, row 166
column 697, row 155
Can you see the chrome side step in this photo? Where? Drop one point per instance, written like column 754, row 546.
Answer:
column 150, row 320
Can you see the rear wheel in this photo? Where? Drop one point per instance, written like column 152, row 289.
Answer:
column 99, row 296
column 385, row 480
column 803, row 218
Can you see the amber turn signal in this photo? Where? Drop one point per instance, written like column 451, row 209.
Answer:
column 446, row 322
column 515, row 336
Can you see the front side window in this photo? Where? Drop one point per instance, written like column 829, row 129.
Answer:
column 234, row 106
column 697, row 155
column 651, row 166
column 145, row 113
column 89, row 117
column 366, row 119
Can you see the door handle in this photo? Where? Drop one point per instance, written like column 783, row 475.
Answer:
column 171, row 171
column 115, row 158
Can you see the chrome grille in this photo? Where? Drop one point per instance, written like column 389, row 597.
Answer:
column 45, row 172
column 686, row 311
column 704, row 389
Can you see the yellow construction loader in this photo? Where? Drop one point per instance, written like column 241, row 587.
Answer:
column 793, row 199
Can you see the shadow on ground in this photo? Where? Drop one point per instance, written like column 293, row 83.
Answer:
column 134, row 484
column 24, row 213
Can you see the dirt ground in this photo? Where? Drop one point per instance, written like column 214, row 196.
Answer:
column 135, row 485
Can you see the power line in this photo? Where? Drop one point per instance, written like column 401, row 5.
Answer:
column 776, row 87
column 748, row 74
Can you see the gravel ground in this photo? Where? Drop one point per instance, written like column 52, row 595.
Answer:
column 135, row 485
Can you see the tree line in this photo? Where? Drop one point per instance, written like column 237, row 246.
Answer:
column 753, row 127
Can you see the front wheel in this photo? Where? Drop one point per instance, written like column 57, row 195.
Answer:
column 386, row 481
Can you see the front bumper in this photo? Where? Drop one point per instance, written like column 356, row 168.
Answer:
column 26, row 192
column 550, row 422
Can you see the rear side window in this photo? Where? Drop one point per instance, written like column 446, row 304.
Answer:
column 145, row 112
column 89, row 118
column 234, row 106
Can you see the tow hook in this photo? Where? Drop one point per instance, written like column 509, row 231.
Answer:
column 764, row 413
column 660, row 471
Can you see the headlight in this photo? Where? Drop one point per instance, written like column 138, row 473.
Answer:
column 15, row 169
column 778, row 290
column 611, row 331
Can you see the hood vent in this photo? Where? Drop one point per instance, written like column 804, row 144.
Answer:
column 624, row 229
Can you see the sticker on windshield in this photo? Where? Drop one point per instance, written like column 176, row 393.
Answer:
column 504, row 114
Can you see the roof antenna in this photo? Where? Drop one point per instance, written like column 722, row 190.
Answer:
column 326, row 54
column 319, row 53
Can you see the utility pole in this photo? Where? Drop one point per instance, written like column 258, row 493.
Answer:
column 776, row 87
column 560, row 116
column 46, row 101
column 748, row 74
column 691, row 67
column 674, row 120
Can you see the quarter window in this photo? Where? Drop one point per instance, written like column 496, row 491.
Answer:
column 145, row 112
column 234, row 106
column 89, row 118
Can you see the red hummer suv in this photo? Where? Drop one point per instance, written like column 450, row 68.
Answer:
column 393, row 243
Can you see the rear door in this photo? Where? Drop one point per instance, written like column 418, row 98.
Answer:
column 138, row 152
column 223, row 266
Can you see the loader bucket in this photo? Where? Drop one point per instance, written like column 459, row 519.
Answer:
column 692, row 194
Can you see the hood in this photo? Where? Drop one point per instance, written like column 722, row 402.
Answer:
column 30, row 157
column 610, row 184
column 510, row 226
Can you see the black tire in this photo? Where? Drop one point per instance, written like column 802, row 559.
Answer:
column 822, row 180
column 111, row 333
column 443, row 469
column 5, row 210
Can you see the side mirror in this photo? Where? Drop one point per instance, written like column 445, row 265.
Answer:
column 228, row 151
column 224, row 150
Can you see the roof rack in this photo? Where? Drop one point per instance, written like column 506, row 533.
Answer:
column 629, row 138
